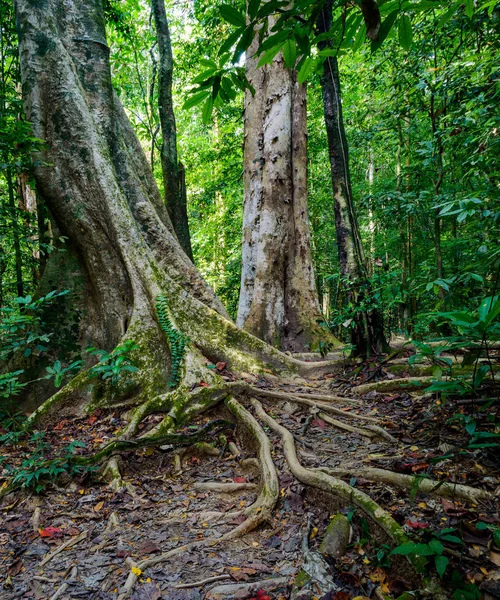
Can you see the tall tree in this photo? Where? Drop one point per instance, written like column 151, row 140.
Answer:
column 98, row 186
column 173, row 173
column 368, row 331
column 278, row 296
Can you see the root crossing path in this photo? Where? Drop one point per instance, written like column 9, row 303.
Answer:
column 247, row 505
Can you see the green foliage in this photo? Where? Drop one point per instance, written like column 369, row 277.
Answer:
column 25, row 338
column 177, row 340
column 430, row 551
column 21, row 326
column 37, row 470
column 114, row 364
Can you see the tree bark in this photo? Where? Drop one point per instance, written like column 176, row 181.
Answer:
column 97, row 184
column 368, row 332
column 175, row 191
column 278, row 296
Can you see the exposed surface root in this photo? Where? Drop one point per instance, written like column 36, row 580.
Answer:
column 330, row 484
column 394, row 385
column 349, row 494
column 179, row 439
column 346, row 427
column 428, row 486
column 257, row 513
column 223, row 488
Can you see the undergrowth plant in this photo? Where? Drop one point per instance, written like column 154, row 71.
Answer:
column 176, row 339
column 36, row 470
column 115, row 363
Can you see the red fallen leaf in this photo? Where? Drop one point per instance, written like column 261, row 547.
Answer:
column 220, row 366
column 319, row 423
column 204, row 384
column 51, row 532
column 417, row 525
column 419, row 467
column 92, row 419
column 61, row 425
column 239, row 480
column 262, row 594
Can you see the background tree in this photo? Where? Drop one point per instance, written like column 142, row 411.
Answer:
column 278, row 296
column 173, row 173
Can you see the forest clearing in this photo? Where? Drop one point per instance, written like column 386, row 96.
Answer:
column 249, row 299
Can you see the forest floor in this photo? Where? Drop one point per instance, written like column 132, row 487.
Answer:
column 82, row 540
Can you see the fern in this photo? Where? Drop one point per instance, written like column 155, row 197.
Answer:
column 176, row 340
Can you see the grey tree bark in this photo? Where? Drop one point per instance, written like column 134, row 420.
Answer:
column 173, row 175
column 278, row 296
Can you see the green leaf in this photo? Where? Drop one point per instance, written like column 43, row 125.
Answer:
column 231, row 41
column 231, row 15
column 289, row 53
column 268, row 56
column 385, row 29
column 436, row 546
column 405, row 549
column 405, row 32
column 469, row 8
column 195, row 99
column 449, row 14
column 441, row 563
column 496, row 537
column 252, row 8
column 360, row 38
column 306, row 69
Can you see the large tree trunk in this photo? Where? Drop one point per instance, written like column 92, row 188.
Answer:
column 278, row 297
column 368, row 332
column 173, row 176
column 98, row 187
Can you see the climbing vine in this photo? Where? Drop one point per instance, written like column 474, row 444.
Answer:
column 176, row 339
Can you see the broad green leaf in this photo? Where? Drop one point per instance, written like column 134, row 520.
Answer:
column 231, row 40
column 268, row 56
column 469, row 8
column 441, row 563
column 231, row 15
column 252, row 8
column 405, row 549
column 306, row 69
column 449, row 14
column 360, row 38
column 385, row 29
column 405, row 32
column 207, row 110
column 289, row 53
column 436, row 546
column 195, row 99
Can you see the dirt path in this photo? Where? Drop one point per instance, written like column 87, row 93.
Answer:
column 84, row 540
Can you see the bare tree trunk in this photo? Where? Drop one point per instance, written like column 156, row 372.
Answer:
column 175, row 191
column 368, row 332
column 15, row 233
column 278, row 297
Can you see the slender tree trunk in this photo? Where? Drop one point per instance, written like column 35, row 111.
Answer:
column 368, row 333
column 175, row 191
column 15, row 233
column 278, row 296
